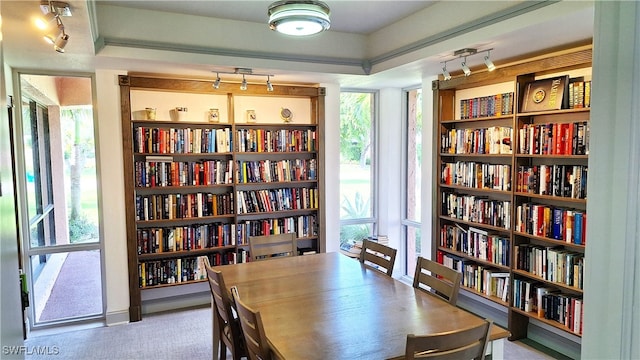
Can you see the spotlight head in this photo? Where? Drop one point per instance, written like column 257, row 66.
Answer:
column 216, row 84
column 243, row 86
column 269, row 86
column 465, row 68
column 445, row 73
column 489, row 63
column 61, row 42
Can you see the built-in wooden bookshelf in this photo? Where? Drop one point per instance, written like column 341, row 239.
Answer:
column 211, row 167
column 511, row 193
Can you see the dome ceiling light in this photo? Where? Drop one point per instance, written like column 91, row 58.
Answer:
column 299, row 18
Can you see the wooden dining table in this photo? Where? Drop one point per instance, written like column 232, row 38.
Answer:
column 329, row 306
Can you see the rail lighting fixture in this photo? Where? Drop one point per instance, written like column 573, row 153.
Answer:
column 463, row 54
column 244, row 72
column 299, row 18
column 53, row 11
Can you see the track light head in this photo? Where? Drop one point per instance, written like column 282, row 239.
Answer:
column 465, row 68
column 216, row 84
column 445, row 73
column 61, row 42
column 243, row 86
column 489, row 63
column 269, row 86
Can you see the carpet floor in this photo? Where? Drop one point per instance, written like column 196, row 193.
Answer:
column 184, row 334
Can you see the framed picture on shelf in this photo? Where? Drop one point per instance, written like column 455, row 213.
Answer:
column 251, row 116
column 214, row 115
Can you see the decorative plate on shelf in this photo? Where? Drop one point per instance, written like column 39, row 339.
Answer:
column 286, row 115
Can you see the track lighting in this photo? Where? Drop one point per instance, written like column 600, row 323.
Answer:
column 445, row 73
column 465, row 68
column 269, row 86
column 463, row 54
column 488, row 62
column 53, row 10
column 243, row 86
column 216, row 84
column 244, row 72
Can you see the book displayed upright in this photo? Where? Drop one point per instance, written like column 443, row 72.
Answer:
column 546, row 94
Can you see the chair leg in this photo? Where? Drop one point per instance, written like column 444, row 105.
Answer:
column 223, row 351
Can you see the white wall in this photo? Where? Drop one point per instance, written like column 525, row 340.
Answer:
column 111, row 175
column 332, row 166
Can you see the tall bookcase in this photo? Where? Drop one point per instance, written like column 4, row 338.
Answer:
column 212, row 167
column 511, row 189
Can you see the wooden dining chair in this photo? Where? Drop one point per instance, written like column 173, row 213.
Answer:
column 378, row 256
column 230, row 330
column 469, row 343
column 272, row 246
column 437, row 279
column 258, row 348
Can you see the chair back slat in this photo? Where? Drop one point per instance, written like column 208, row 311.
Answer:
column 470, row 343
column 378, row 256
column 257, row 346
column 270, row 246
column 437, row 279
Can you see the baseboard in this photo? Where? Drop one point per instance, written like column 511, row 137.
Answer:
column 176, row 302
column 555, row 339
column 117, row 317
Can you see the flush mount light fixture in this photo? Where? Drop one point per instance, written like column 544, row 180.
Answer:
column 299, row 18
column 244, row 72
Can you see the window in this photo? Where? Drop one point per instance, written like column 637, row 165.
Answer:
column 412, row 178
column 357, row 166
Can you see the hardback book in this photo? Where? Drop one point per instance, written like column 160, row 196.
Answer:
column 546, row 94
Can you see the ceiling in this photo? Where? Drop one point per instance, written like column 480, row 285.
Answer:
column 371, row 44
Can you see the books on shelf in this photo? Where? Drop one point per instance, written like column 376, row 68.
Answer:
column 477, row 209
column 487, row 106
column 491, row 140
column 182, row 206
column 169, row 140
column 268, row 200
column 554, row 139
column 151, row 173
column 569, row 181
column 280, row 140
column 546, row 94
column 559, row 223
column 185, row 238
column 477, row 175
column 275, row 170
column 303, row 226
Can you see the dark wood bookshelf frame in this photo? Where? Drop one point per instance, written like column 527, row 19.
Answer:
column 178, row 85
column 445, row 106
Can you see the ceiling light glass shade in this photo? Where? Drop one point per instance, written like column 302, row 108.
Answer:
column 299, row 18
column 489, row 63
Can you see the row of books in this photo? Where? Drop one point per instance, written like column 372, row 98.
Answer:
column 549, row 303
column 303, row 226
column 477, row 209
column 282, row 140
column 476, row 243
column 551, row 263
column 171, row 271
column 568, row 181
column 477, row 175
column 485, row 106
column 275, row 171
column 185, row 238
column 267, row 200
column 579, row 93
column 554, row 139
column 492, row 140
column 182, row 206
column 179, row 173
column 568, row 225
column 489, row 282
column 161, row 140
